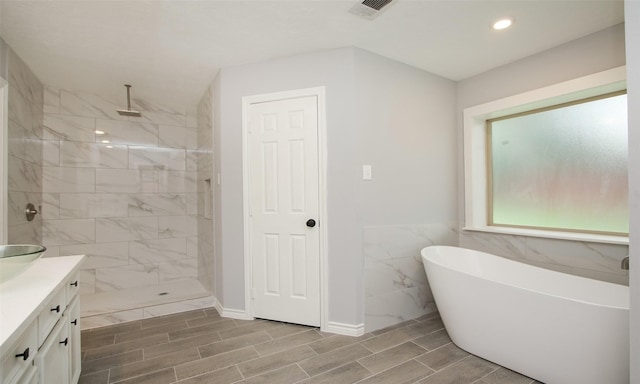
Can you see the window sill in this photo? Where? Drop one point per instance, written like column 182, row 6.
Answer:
column 588, row 237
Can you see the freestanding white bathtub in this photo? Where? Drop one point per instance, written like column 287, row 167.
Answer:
column 553, row 327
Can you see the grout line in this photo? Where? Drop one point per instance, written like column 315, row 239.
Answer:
column 482, row 377
column 303, row 371
column 175, row 375
column 371, row 374
column 425, row 365
column 365, row 347
column 242, row 378
column 274, row 370
column 146, row 373
column 240, row 371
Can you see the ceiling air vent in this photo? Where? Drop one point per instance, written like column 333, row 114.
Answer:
column 369, row 9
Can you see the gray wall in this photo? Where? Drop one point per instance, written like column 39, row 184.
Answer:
column 632, row 16
column 591, row 54
column 394, row 117
column 404, row 118
column 597, row 52
column 405, row 124
column 333, row 69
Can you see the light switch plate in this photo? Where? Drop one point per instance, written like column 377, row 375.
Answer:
column 366, row 172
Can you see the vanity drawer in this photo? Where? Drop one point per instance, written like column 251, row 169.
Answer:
column 20, row 356
column 50, row 315
column 73, row 286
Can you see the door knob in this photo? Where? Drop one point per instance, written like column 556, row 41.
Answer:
column 311, row 223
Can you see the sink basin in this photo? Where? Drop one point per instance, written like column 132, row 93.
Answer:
column 15, row 258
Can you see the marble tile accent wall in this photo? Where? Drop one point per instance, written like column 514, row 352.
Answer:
column 123, row 191
column 205, row 186
column 593, row 260
column 396, row 287
column 25, row 151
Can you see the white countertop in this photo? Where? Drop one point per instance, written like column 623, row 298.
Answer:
column 23, row 297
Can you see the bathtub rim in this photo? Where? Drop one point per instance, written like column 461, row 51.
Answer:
column 529, row 266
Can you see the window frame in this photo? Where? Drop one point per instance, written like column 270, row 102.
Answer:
column 476, row 147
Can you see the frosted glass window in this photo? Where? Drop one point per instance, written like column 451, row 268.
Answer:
column 561, row 168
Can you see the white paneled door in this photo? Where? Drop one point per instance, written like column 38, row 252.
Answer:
column 284, row 208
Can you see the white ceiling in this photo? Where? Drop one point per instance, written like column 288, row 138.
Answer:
column 170, row 51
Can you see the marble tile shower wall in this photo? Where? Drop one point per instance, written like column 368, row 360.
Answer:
column 205, row 190
column 25, row 107
column 396, row 287
column 592, row 260
column 129, row 204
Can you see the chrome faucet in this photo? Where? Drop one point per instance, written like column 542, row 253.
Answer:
column 625, row 263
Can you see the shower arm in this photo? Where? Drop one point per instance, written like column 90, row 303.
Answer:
column 128, row 96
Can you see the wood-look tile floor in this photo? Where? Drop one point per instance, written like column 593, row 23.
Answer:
column 202, row 347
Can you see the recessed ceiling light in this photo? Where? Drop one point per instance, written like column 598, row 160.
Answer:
column 109, row 146
column 105, row 141
column 503, row 23
column 99, row 132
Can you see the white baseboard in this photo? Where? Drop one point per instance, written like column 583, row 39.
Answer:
column 344, row 329
column 331, row 327
column 239, row 314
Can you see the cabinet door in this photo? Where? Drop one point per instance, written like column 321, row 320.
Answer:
column 53, row 358
column 73, row 319
column 29, row 377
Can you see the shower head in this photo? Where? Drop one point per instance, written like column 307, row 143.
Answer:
column 129, row 111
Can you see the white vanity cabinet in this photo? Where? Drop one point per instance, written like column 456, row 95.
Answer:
column 58, row 359
column 44, row 347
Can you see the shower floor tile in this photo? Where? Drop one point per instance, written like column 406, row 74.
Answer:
column 135, row 299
